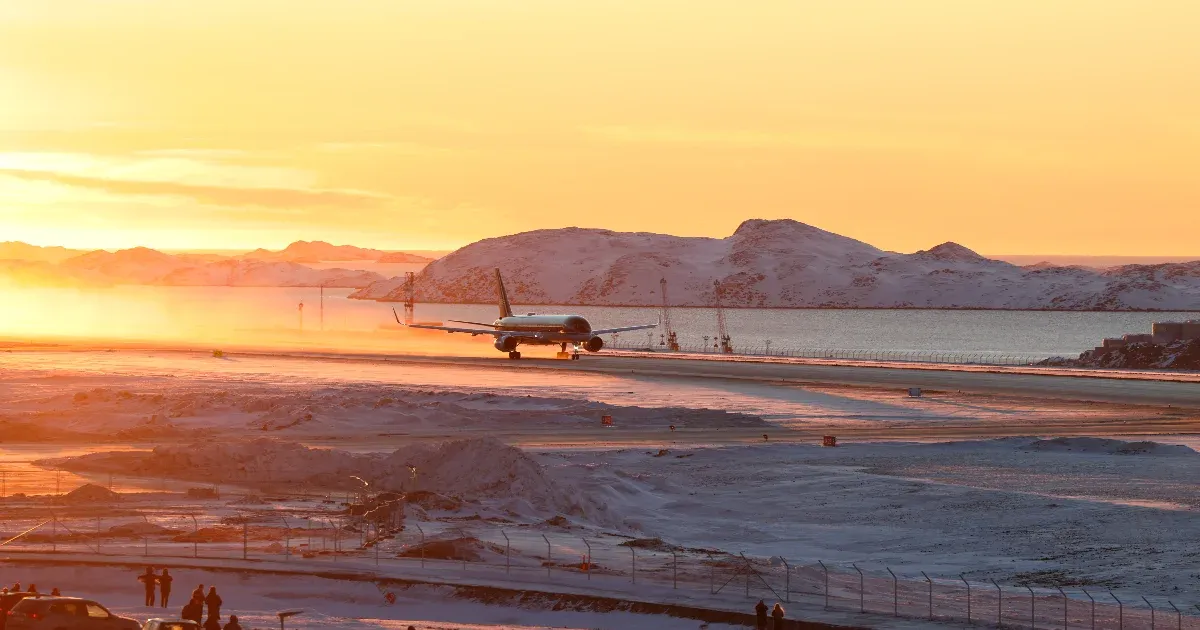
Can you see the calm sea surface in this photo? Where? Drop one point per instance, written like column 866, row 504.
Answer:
column 177, row 312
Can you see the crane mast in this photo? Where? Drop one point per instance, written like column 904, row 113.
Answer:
column 410, row 304
column 723, row 342
column 669, row 340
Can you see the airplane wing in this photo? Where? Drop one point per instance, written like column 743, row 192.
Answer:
column 471, row 331
column 606, row 331
column 449, row 329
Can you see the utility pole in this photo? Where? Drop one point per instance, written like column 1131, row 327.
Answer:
column 410, row 297
column 669, row 339
column 301, row 316
column 322, row 307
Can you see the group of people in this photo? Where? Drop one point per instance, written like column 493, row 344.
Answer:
column 16, row 588
column 194, row 609
column 776, row 615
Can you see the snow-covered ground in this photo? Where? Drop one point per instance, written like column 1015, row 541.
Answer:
column 527, row 464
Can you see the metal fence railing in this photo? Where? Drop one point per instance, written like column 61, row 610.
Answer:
column 846, row 354
column 324, row 530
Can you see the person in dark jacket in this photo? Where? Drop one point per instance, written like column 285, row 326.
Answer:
column 193, row 611
column 164, row 585
column 148, row 580
column 199, row 592
column 212, row 623
column 233, row 623
column 777, row 617
column 214, row 604
column 760, row 612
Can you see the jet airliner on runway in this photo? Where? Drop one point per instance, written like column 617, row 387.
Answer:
column 534, row 330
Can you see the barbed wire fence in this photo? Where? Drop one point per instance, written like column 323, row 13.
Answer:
column 327, row 530
column 767, row 348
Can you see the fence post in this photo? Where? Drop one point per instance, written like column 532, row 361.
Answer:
column 999, row 604
column 930, row 582
column 245, row 538
column 195, row 537
column 895, row 594
column 1093, row 600
column 1151, row 611
column 633, row 556
column 674, row 569
column 589, row 557
column 712, row 574
column 422, row 532
column 1032, row 610
column 787, row 581
column 862, row 596
column 53, row 531
column 1066, row 624
column 287, row 541
column 1178, row 616
column 548, row 557
column 826, row 570
column 964, row 579
column 1120, row 612
column 508, row 557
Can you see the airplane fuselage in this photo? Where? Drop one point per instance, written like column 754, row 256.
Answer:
column 544, row 330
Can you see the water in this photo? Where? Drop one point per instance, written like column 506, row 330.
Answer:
column 183, row 313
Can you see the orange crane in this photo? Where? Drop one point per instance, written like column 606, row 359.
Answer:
column 669, row 340
column 723, row 342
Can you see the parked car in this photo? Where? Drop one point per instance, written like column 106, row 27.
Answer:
column 65, row 613
column 7, row 601
column 170, row 624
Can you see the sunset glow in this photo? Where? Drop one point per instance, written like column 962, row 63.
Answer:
column 1021, row 127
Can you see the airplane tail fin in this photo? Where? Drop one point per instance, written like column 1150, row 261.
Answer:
column 505, row 309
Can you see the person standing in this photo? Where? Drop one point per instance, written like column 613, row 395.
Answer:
column 214, row 604
column 193, row 611
column 777, row 617
column 198, row 593
column 148, row 580
column 233, row 623
column 164, row 585
column 760, row 613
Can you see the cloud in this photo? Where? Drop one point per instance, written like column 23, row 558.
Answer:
column 211, row 194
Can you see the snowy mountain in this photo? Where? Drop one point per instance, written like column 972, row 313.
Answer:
column 16, row 250
column 320, row 251
column 780, row 263
column 147, row 266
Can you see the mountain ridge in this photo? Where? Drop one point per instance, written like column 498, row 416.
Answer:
column 777, row 264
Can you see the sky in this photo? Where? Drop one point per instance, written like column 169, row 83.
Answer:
column 1015, row 126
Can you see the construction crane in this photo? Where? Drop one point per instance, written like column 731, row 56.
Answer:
column 410, row 292
column 669, row 340
column 723, row 343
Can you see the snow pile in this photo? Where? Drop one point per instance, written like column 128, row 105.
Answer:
column 470, row 469
column 779, row 263
column 1105, row 446
column 91, row 493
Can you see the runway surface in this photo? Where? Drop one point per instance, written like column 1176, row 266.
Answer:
column 1137, row 388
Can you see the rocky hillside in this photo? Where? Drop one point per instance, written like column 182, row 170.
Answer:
column 780, row 263
column 1180, row 355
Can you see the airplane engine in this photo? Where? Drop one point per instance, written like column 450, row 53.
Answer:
column 594, row 344
column 506, row 344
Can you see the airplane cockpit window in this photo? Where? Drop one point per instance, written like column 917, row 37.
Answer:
column 577, row 325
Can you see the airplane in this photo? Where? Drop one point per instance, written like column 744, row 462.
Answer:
column 532, row 329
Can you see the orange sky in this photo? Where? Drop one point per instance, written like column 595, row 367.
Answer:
column 1023, row 126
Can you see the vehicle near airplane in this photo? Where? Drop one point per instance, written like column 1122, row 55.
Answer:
column 532, row 329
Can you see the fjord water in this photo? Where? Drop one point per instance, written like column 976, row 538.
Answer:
column 196, row 313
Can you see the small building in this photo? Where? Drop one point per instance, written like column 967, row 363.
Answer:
column 1112, row 343
column 1167, row 332
column 1138, row 338
column 1191, row 330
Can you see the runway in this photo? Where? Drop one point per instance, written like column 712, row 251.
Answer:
column 1130, row 387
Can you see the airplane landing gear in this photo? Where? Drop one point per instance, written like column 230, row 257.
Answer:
column 575, row 352
column 514, row 355
column 562, row 352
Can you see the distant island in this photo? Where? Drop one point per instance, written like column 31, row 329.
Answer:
column 779, row 264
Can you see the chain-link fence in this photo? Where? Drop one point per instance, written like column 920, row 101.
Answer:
column 767, row 349
column 358, row 529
